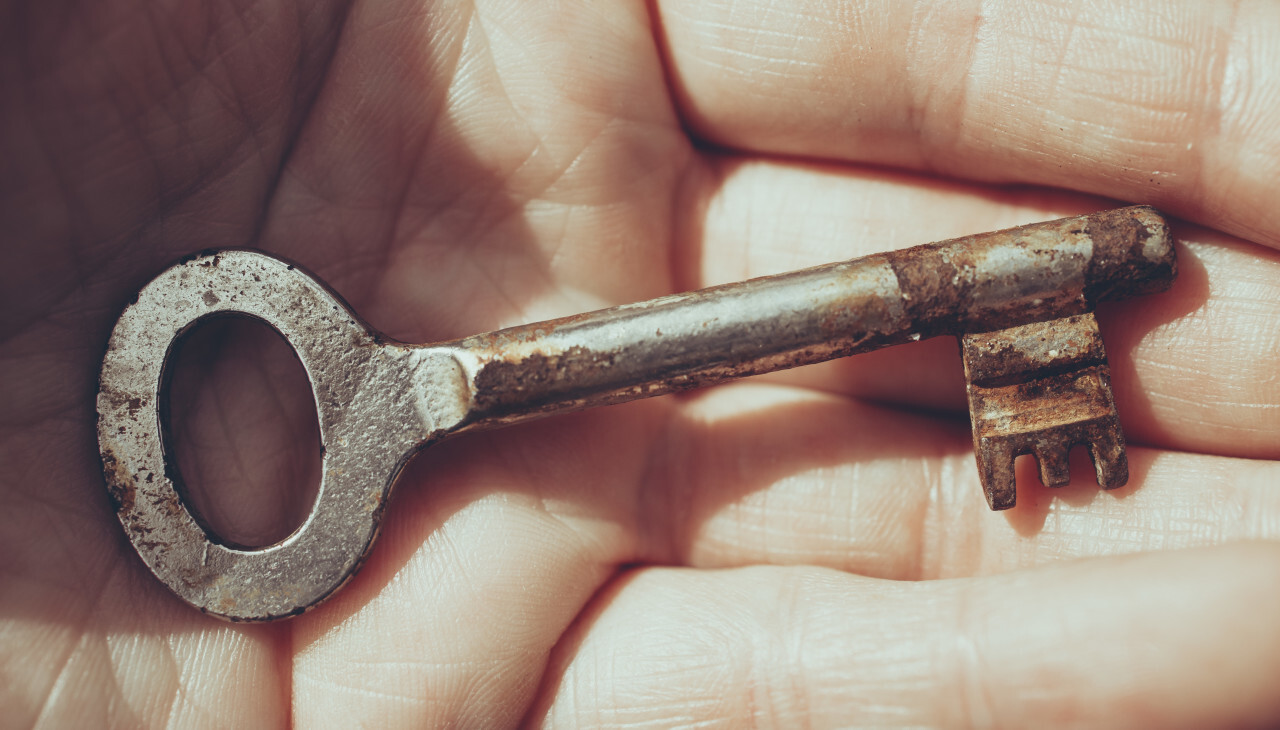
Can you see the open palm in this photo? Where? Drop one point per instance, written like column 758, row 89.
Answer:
column 810, row 547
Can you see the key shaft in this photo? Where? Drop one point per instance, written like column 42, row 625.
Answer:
column 979, row 283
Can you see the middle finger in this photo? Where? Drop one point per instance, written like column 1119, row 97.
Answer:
column 894, row 494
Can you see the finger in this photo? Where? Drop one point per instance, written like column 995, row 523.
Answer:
column 1109, row 643
column 1167, row 103
column 1193, row 368
column 750, row 474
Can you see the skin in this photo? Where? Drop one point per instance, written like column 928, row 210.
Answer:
column 810, row 547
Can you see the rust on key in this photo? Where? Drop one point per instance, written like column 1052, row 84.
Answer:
column 1019, row 300
column 1035, row 366
column 1040, row 389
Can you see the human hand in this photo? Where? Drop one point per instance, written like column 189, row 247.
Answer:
column 811, row 547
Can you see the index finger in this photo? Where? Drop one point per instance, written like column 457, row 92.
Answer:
column 1170, row 103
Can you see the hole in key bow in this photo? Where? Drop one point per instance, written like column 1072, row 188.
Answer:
column 241, row 431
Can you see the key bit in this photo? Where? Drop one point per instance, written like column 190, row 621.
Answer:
column 1041, row 388
column 1020, row 301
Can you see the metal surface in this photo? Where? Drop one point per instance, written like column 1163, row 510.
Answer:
column 1019, row 299
column 1040, row 389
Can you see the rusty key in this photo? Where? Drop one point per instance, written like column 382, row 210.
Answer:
column 1019, row 300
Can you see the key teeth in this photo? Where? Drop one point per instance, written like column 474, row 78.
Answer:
column 1109, row 459
column 996, row 462
column 1055, row 470
column 995, row 469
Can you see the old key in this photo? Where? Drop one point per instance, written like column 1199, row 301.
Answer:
column 1019, row 300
